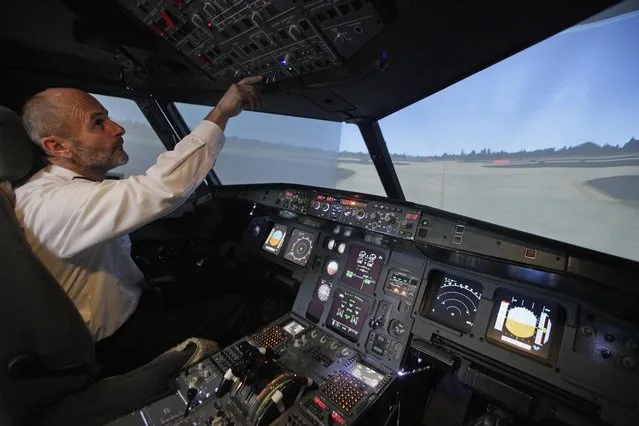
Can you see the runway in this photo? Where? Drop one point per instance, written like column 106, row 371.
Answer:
column 552, row 202
column 555, row 202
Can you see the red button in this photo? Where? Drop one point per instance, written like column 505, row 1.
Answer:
column 319, row 403
column 339, row 419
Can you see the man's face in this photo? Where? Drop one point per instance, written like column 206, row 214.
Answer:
column 96, row 141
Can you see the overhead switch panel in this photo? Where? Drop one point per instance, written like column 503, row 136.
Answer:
column 279, row 39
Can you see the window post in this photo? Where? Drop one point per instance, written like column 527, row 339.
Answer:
column 374, row 140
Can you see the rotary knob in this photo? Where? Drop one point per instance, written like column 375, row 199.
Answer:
column 360, row 214
column 194, row 381
column 325, row 207
column 316, row 205
column 629, row 363
column 374, row 323
column 397, row 328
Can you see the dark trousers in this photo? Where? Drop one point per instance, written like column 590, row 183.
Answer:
column 159, row 324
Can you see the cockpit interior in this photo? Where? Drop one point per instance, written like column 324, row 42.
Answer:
column 434, row 217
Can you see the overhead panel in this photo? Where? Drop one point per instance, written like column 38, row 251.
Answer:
column 279, row 39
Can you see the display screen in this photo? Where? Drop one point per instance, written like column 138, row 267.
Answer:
column 347, row 314
column 363, row 268
column 353, row 203
column 453, row 301
column 300, row 246
column 275, row 239
column 524, row 324
column 293, row 328
column 328, row 198
column 367, row 375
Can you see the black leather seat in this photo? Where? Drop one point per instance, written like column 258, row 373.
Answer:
column 48, row 371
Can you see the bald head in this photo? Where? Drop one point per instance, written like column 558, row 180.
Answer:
column 48, row 113
column 75, row 131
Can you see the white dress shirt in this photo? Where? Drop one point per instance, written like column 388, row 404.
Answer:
column 79, row 228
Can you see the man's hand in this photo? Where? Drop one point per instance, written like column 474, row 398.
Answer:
column 244, row 94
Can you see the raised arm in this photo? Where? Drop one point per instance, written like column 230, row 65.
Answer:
column 82, row 213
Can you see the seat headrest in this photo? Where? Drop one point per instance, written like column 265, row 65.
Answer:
column 17, row 152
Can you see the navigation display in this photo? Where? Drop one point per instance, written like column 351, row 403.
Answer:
column 524, row 324
column 454, row 302
column 275, row 239
column 367, row 375
column 347, row 314
column 300, row 246
column 363, row 267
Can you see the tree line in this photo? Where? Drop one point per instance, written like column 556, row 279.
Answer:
column 586, row 149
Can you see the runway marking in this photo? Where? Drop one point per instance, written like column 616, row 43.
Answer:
column 589, row 192
column 441, row 191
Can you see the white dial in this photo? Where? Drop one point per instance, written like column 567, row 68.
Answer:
column 323, row 292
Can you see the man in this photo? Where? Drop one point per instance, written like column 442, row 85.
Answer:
column 77, row 221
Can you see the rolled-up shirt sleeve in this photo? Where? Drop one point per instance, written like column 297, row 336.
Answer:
column 89, row 213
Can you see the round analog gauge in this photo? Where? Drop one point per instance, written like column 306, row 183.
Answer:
column 332, row 267
column 323, row 292
column 301, row 249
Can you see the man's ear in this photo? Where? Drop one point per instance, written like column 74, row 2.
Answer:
column 56, row 146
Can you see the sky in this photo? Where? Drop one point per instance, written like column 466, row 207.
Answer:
column 578, row 86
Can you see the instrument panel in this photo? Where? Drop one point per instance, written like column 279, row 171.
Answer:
column 370, row 306
column 380, row 217
column 408, row 300
column 404, row 221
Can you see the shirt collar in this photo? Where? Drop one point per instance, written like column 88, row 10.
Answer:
column 62, row 172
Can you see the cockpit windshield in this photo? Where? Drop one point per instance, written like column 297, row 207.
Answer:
column 546, row 141
column 269, row 148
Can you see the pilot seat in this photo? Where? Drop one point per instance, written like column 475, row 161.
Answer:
column 48, row 369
